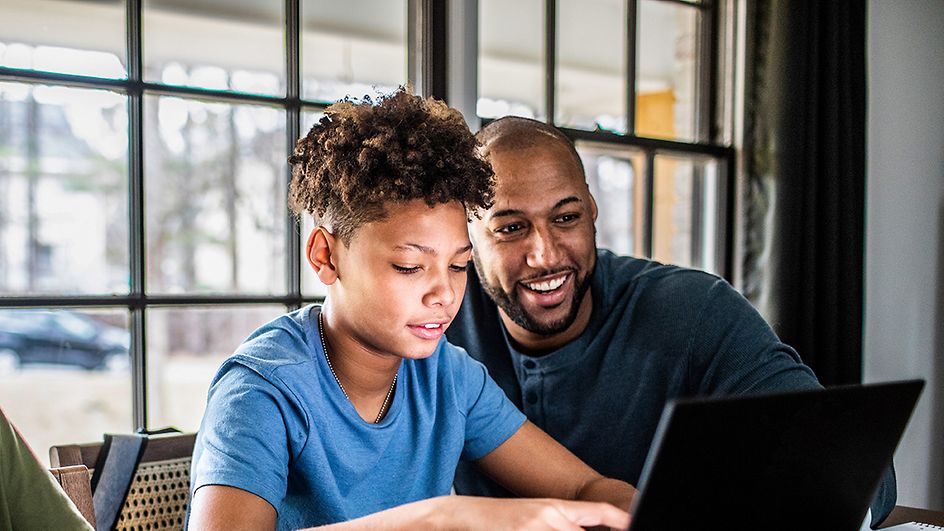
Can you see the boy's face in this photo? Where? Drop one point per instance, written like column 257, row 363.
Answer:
column 400, row 280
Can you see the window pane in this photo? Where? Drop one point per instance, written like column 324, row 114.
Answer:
column 616, row 176
column 65, row 375
column 666, row 73
column 685, row 211
column 591, row 64
column 511, row 59
column 185, row 348
column 215, row 193
column 235, row 46
column 84, row 37
column 63, row 190
column 355, row 47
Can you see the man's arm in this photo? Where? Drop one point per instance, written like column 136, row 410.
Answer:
column 532, row 464
column 738, row 352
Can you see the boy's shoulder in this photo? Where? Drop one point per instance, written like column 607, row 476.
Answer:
column 281, row 343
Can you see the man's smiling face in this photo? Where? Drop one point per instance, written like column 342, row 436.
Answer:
column 534, row 249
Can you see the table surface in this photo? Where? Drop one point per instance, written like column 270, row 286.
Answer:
column 901, row 514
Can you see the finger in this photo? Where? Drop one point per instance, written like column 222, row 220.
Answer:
column 594, row 514
column 554, row 518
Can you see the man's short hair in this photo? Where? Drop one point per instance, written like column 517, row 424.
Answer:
column 516, row 132
column 365, row 154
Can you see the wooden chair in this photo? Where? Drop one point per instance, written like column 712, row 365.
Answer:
column 75, row 481
column 159, row 492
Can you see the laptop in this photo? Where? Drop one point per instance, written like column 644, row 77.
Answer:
column 794, row 461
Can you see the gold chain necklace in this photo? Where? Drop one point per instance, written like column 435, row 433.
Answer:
column 324, row 347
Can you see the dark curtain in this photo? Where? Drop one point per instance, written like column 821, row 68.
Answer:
column 805, row 178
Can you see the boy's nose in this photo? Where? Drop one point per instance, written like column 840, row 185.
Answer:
column 442, row 293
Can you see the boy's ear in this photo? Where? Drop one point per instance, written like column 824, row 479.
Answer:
column 319, row 250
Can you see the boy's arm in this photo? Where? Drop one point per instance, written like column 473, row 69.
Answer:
column 218, row 507
column 474, row 513
column 532, row 464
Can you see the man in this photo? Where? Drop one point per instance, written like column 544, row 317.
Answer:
column 586, row 342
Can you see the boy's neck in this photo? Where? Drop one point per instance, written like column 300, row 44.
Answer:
column 365, row 375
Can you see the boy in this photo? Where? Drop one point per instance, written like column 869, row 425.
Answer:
column 356, row 413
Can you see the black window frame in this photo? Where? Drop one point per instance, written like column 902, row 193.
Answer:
column 708, row 131
column 135, row 88
column 425, row 24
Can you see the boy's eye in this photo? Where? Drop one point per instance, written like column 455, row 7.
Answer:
column 459, row 268
column 406, row 270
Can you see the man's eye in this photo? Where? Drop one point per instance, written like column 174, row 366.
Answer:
column 457, row 268
column 567, row 218
column 510, row 228
column 406, row 270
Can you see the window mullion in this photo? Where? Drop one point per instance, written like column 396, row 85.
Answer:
column 137, row 229
column 550, row 59
column 631, row 47
column 292, row 30
column 648, row 229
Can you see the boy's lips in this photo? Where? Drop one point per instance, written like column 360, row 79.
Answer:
column 433, row 329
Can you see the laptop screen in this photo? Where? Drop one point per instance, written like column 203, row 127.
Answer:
column 804, row 460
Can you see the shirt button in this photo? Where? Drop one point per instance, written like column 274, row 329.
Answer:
column 529, row 364
column 532, row 398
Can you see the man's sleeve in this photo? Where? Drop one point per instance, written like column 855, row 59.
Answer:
column 243, row 440
column 30, row 498
column 490, row 417
column 733, row 350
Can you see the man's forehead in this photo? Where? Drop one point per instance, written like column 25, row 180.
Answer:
column 540, row 174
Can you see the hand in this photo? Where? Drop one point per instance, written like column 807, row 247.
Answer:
column 473, row 513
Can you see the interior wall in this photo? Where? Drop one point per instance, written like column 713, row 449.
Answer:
column 904, row 264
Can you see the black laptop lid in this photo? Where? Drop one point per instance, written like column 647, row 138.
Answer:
column 805, row 460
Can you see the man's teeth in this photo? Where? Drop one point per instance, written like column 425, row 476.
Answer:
column 432, row 325
column 547, row 285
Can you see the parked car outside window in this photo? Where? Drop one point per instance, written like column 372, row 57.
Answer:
column 60, row 337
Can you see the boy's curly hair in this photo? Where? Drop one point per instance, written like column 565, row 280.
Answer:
column 363, row 155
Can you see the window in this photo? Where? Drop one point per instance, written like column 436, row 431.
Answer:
column 630, row 81
column 143, row 178
column 143, row 174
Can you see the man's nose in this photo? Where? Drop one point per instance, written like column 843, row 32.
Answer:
column 544, row 252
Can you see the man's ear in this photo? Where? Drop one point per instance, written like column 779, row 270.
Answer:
column 320, row 249
column 593, row 206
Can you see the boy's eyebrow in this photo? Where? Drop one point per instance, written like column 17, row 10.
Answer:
column 515, row 212
column 428, row 250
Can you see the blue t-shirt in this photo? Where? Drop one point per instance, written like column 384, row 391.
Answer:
column 278, row 425
column 656, row 332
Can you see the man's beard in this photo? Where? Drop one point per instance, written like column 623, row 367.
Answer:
column 512, row 307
